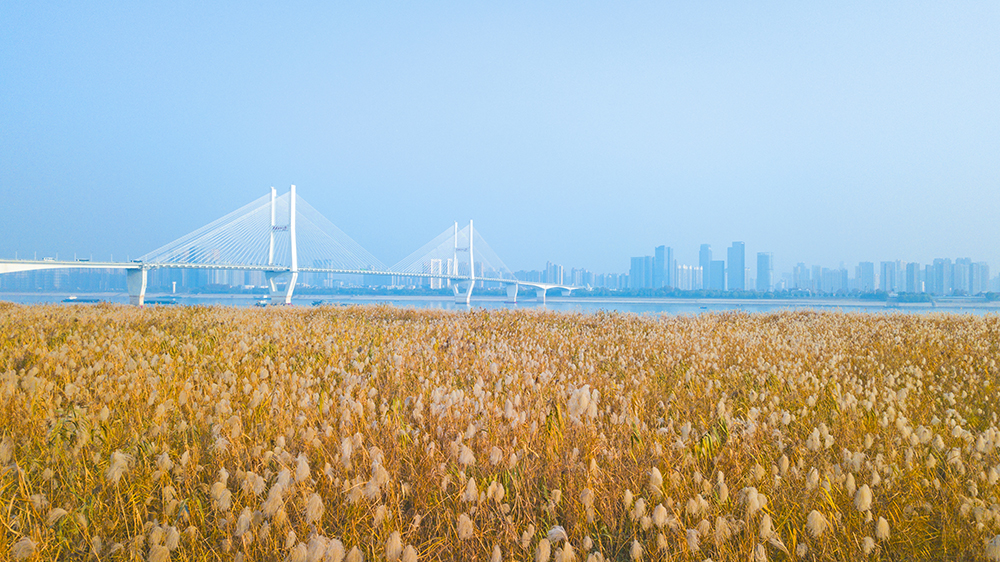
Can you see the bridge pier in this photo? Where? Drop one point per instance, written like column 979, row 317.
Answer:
column 463, row 292
column 275, row 277
column 540, row 295
column 135, row 280
column 512, row 292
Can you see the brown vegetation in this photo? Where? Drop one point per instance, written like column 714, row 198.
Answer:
column 380, row 433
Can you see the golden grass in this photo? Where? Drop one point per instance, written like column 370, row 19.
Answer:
column 378, row 433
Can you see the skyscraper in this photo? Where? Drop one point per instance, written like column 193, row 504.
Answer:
column 717, row 275
column 980, row 278
column 866, row 283
column 659, row 266
column 637, row 273
column 963, row 276
column 705, row 261
column 944, row 276
column 887, row 276
column 765, row 267
column 664, row 267
column 736, row 265
column 913, row 277
column 800, row 277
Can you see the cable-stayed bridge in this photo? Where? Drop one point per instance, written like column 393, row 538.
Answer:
column 283, row 237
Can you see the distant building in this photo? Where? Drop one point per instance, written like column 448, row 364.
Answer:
column 765, row 269
column 800, row 277
column 944, row 276
column 962, row 275
column 866, row 278
column 705, row 261
column 554, row 273
column 717, row 273
column 664, row 267
column 929, row 280
column 980, row 278
column 736, row 255
column 637, row 273
column 913, row 284
column 887, row 276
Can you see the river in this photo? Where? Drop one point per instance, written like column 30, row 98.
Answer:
column 562, row 304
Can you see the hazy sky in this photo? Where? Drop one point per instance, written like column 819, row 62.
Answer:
column 581, row 133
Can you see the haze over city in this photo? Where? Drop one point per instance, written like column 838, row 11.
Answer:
column 582, row 134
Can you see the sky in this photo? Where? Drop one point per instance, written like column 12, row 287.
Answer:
column 575, row 132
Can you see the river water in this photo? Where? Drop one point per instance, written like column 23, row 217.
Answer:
column 563, row 304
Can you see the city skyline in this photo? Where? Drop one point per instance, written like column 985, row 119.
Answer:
column 941, row 277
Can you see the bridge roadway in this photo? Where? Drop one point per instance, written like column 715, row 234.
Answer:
column 136, row 273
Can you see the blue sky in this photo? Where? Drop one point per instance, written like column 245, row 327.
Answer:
column 577, row 132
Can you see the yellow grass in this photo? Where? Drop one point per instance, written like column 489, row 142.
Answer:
column 202, row 433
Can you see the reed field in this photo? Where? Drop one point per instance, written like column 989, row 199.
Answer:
column 378, row 433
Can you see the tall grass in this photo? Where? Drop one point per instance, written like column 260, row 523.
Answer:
column 378, row 433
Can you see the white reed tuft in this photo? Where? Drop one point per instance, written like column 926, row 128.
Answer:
column 566, row 553
column 355, row 555
column 159, row 553
column 693, row 539
column 659, row 516
column 722, row 530
column 867, row 545
column 766, row 526
column 118, row 467
column 882, row 529
column 466, row 457
column 22, row 549
column 556, row 534
column 55, row 515
column 816, row 523
column 656, row 482
column 302, row 468
column 314, row 508
column 863, row 498
column 409, row 554
column 465, row 527
column 173, row 539
column 993, row 549
column 393, row 547
column 543, row 551
column 471, row 493
column 334, row 551
column 635, row 553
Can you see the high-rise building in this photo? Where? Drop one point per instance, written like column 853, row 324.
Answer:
column 717, row 273
column 962, row 276
column 866, row 279
column 887, row 276
column 637, row 273
column 913, row 278
column 944, row 276
column 765, row 267
column 664, row 267
column 980, row 278
column 659, row 266
column 800, row 277
column 705, row 261
column 554, row 273
column 736, row 264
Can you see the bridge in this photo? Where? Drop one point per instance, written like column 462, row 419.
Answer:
column 283, row 237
